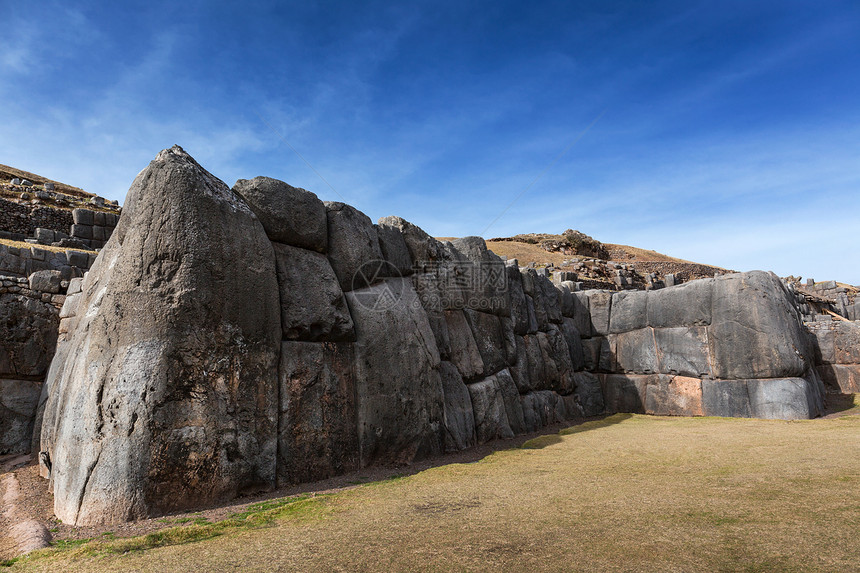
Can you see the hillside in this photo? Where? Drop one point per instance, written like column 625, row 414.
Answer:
column 8, row 173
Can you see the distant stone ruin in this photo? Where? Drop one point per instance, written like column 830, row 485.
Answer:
column 231, row 341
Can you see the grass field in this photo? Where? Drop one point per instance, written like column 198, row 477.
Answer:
column 628, row 493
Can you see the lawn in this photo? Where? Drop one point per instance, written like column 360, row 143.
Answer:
column 628, row 493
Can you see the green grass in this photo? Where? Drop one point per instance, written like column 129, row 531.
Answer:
column 628, row 493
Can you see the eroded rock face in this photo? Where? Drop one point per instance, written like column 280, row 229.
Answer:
column 317, row 422
column 165, row 396
column 398, row 386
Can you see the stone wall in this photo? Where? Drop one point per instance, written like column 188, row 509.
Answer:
column 837, row 348
column 93, row 228
column 230, row 341
column 29, row 318
column 24, row 219
column 24, row 261
column 728, row 346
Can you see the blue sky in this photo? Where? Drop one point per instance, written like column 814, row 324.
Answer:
column 726, row 132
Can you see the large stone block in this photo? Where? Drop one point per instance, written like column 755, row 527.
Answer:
column 317, row 432
column 588, row 393
column 83, row 217
column 440, row 331
column 755, row 330
column 488, row 405
column 524, row 321
column 535, row 358
column 551, row 299
column 629, row 311
column 393, row 247
column 464, row 350
column 353, row 247
column 636, row 352
column 688, row 304
column 520, row 369
column 18, row 402
column 423, row 248
column 511, row 399
column 46, row 281
column 537, row 296
column 557, row 352
column 458, row 416
column 599, row 306
column 625, row 392
column 683, row 350
column 288, row 214
column 312, row 304
column 783, row 399
column 824, row 345
column 164, row 396
column 398, row 385
column 488, row 277
column 726, row 398
column 490, row 339
column 674, row 396
column 574, row 344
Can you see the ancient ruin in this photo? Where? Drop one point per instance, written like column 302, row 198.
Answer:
column 231, row 341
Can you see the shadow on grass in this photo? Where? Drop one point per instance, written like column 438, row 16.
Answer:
column 583, row 426
column 837, row 403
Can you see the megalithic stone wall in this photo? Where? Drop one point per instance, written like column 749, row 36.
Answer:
column 731, row 346
column 235, row 340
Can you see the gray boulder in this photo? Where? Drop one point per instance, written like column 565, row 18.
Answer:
column 289, row 214
column 775, row 398
column 398, row 385
column 599, row 305
column 523, row 321
column 165, row 397
column 312, row 303
column 688, row 304
column 511, row 399
column 674, row 396
column 629, row 311
column 423, row 248
column 683, row 350
column 755, row 330
column 488, row 277
column 464, row 350
column 488, row 405
column 588, row 393
column 490, row 339
column 574, row 344
column 393, row 247
column 317, row 434
column 458, row 416
column 353, row 247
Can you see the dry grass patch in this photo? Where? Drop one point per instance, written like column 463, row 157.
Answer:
column 628, row 493
column 23, row 245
